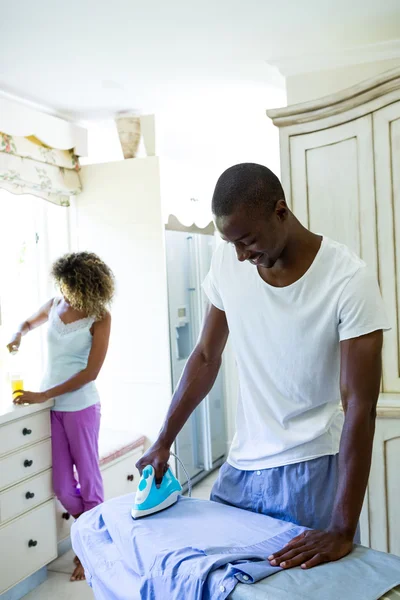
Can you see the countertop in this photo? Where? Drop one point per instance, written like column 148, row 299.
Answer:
column 11, row 412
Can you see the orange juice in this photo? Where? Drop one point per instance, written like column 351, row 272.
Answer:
column 16, row 384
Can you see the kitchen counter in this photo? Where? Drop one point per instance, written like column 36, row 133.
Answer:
column 11, row 412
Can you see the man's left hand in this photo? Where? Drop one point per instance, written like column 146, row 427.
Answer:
column 29, row 397
column 312, row 548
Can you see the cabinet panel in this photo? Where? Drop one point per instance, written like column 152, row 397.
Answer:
column 384, row 488
column 29, row 544
column 392, row 453
column 332, row 185
column 121, row 477
column 25, row 463
column 387, row 166
column 63, row 522
column 25, row 496
column 24, row 432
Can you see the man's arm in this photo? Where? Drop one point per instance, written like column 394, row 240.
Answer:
column 360, row 377
column 197, row 379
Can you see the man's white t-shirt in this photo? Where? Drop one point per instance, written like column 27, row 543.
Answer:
column 287, row 346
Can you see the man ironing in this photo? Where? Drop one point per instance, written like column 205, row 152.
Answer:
column 306, row 321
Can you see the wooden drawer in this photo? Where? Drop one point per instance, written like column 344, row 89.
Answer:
column 23, row 497
column 23, row 432
column 117, row 476
column 29, row 543
column 63, row 524
column 24, row 464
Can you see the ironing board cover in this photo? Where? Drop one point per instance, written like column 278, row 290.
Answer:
column 120, row 561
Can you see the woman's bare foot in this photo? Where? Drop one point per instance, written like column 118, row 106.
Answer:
column 79, row 572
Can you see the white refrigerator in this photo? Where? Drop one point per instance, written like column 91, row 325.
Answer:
column 201, row 445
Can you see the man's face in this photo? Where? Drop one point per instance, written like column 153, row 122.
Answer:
column 259, row 239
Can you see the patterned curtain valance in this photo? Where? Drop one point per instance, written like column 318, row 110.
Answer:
column 27, row 166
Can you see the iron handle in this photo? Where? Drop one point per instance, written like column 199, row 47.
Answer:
column 130, row 478
column 28, row 463
column 32, row 543
column 66, row 516
column 29, row 495
column 26, row 431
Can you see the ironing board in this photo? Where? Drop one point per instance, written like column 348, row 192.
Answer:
column 262, row 591
column 111, row 572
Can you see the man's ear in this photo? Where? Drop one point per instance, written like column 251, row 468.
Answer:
column 281, row 210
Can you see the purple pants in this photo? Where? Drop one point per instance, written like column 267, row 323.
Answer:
column 75, row 438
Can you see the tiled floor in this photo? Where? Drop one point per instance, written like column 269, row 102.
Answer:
column 58, row 585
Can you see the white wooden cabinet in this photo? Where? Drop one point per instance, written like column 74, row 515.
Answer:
column 29, row 544
column 27, row 513
column 386, row 129
column 384, row 484
column 340, row 165
column 121, row 476
column 332, row 174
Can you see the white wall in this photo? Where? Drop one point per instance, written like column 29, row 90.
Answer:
column 200, row 135
column 103, row 142
column 118, row 216
column 309, row 86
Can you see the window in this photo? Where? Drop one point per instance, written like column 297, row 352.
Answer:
column 33, row 233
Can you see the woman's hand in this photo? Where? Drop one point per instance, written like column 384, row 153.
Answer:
column 29, row 397
column 14, row 344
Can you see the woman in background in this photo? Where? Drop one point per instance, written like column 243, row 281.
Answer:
column 78, row 335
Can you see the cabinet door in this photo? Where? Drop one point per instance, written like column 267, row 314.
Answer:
column 332, row 183
column 384, row 487
column 121, row 476
column 387, row 161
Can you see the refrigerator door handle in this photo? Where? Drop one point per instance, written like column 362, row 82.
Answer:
column 197, row 459
column 207, row 435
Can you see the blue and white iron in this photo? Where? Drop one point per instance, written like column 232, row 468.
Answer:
column 150, row 498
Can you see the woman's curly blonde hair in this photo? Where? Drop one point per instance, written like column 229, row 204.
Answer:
column 86, row 282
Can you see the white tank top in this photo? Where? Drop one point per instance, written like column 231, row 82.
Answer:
column 68, row 347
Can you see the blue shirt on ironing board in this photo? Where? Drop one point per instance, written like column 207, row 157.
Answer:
column 195, row 550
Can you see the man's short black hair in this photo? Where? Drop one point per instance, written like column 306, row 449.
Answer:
column 248, row 184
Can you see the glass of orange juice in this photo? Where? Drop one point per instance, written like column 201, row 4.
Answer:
column 17, row 384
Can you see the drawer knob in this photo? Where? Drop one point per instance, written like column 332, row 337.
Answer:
column 130, row 478
column 28, row 463
column 32, row 543
column 29, row 495
column 26, row 431
column 66, row 516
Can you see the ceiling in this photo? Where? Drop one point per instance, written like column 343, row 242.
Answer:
column 88, row 58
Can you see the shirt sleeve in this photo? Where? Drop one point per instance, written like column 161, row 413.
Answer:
column 211, row 282
column 361, row 308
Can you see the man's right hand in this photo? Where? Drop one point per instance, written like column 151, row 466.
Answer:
column 157, row 456
column 14, row 344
